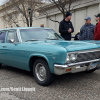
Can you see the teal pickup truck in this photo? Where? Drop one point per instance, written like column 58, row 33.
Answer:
column 46, row 54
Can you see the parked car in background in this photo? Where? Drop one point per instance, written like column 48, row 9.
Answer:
column 45, row 53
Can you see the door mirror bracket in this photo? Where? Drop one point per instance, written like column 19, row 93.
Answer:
column 11, row 40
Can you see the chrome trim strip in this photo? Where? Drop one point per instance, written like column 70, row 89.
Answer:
column 85, row 51
column 79, row 63
column 19, row 35
column 61, row 69
column 92, row 50
column 60, row 66
column 74, row 64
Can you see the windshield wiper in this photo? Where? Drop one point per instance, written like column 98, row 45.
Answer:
column 31, row 40
column 51, row 39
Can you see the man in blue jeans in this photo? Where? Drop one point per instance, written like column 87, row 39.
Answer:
column 87, row 30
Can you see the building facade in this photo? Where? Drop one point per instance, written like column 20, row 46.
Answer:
column 86, row 8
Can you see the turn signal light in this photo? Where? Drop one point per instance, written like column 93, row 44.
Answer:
column 68, row 70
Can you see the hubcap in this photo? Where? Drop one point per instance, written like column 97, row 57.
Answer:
column 40, row 71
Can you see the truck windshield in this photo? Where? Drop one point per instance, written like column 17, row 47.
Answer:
column 38, row 34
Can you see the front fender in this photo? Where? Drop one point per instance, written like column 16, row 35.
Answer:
column 46, row 58
column 38, row 55
column 51, row 58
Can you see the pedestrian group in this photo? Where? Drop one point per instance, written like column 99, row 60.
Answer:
column 87, row 32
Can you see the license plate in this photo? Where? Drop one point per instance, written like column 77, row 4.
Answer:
column 94, row 65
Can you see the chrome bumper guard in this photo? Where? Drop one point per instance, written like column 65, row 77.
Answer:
column 75, row 67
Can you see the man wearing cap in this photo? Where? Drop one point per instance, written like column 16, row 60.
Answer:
column 66, row 27
column 87, row 30
column 97, row 28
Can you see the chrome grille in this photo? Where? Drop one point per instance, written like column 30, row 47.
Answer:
column 86, row 56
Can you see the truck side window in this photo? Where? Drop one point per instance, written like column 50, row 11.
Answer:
column 2, row 36
column 12, row 35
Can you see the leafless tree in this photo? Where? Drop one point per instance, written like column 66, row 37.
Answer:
column 61, row 5
column 26, row 8
column 11, row 18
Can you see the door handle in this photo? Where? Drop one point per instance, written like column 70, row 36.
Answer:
column 4, row 46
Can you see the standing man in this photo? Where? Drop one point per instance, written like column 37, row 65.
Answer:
column 97, row 28
column 66, row 27
column 87, row 30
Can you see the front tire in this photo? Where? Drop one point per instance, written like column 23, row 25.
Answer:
column 42, row 74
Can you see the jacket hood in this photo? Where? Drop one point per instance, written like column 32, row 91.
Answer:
column 66, row 21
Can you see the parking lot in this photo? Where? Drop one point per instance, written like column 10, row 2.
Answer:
column 80, row 86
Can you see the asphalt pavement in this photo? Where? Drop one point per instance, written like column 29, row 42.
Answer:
column 79, row 86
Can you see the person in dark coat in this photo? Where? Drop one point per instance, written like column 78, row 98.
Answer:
column 66, row 27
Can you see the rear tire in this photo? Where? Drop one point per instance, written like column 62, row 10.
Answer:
column 42, row 74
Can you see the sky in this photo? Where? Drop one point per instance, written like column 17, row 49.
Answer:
column 2, row 1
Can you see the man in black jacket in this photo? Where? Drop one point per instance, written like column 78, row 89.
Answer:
column 66, row 27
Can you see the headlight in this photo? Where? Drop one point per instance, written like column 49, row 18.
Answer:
column 71, row 57
column 68, row 58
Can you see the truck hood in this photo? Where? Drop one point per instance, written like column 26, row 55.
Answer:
column 70, row 46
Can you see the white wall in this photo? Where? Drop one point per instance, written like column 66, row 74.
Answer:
column 59, row 17
column 1, row 23
column 91, row 11
column 78, row 17
column 37, row 22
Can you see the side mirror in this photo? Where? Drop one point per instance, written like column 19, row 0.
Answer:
column 11, row 40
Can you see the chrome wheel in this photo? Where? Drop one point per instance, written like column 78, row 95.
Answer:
column 40, row 72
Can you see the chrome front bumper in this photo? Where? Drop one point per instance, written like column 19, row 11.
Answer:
column 75, row 67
